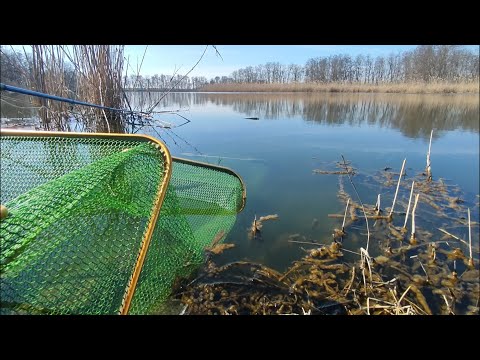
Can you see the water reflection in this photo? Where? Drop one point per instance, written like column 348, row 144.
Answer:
column 16, row 106
column 412, row 114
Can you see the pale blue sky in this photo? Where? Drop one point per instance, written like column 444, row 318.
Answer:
column 164, row 59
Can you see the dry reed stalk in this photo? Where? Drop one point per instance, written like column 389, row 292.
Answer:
column 428, row 169
column 254, row 226
column 413, row 239
column 377, row 205
column 398, row 186
column 345, row 216
column 365, row 258
column 448, row 305
column 470, row 260
column 101, row 68
column 408, row 207
column 47, row 76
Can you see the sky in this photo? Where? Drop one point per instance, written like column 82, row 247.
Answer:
column 165, row 59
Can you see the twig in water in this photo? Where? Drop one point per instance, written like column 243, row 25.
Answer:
column 361, row 203
column 306, row 242
column 448, row 305
column 425, row 271
column 351, row 281
column 317, row 244
column 268, row 217
column 186, row 122
column 403, row 295
column 326, row 172
column 408, row 207
column 453, row 236
column 375, row 217
column 413, row 240
column 186, row 142
column 398, row 186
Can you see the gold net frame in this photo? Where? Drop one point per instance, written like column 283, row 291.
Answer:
column 160, row 194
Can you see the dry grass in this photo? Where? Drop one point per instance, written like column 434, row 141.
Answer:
column 98, row 70
column 402, row 88
column 100, row 82
column 48, row 77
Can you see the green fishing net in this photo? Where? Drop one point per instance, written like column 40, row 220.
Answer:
column 79, row 212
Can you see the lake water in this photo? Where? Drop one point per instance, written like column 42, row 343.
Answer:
column 294, row 134
column 297, row 133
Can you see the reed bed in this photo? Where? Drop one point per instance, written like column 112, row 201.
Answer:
column 98, row 72
column 399, row 88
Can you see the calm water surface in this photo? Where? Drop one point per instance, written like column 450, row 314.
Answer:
column 297, row 133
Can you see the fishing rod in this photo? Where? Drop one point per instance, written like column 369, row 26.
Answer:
column 57, row 98
column 142, row 114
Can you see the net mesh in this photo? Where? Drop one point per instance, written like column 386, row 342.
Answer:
column 79, row 209
column 199, row 204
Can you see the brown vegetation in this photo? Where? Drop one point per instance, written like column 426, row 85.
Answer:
column 400, row 88
column 97, row 79
column 433, row 276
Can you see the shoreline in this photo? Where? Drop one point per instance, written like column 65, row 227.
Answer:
column 403, row 88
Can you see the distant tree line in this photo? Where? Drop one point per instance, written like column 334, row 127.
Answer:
column 164, row 82
column 17, row 69
column 427, row 63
